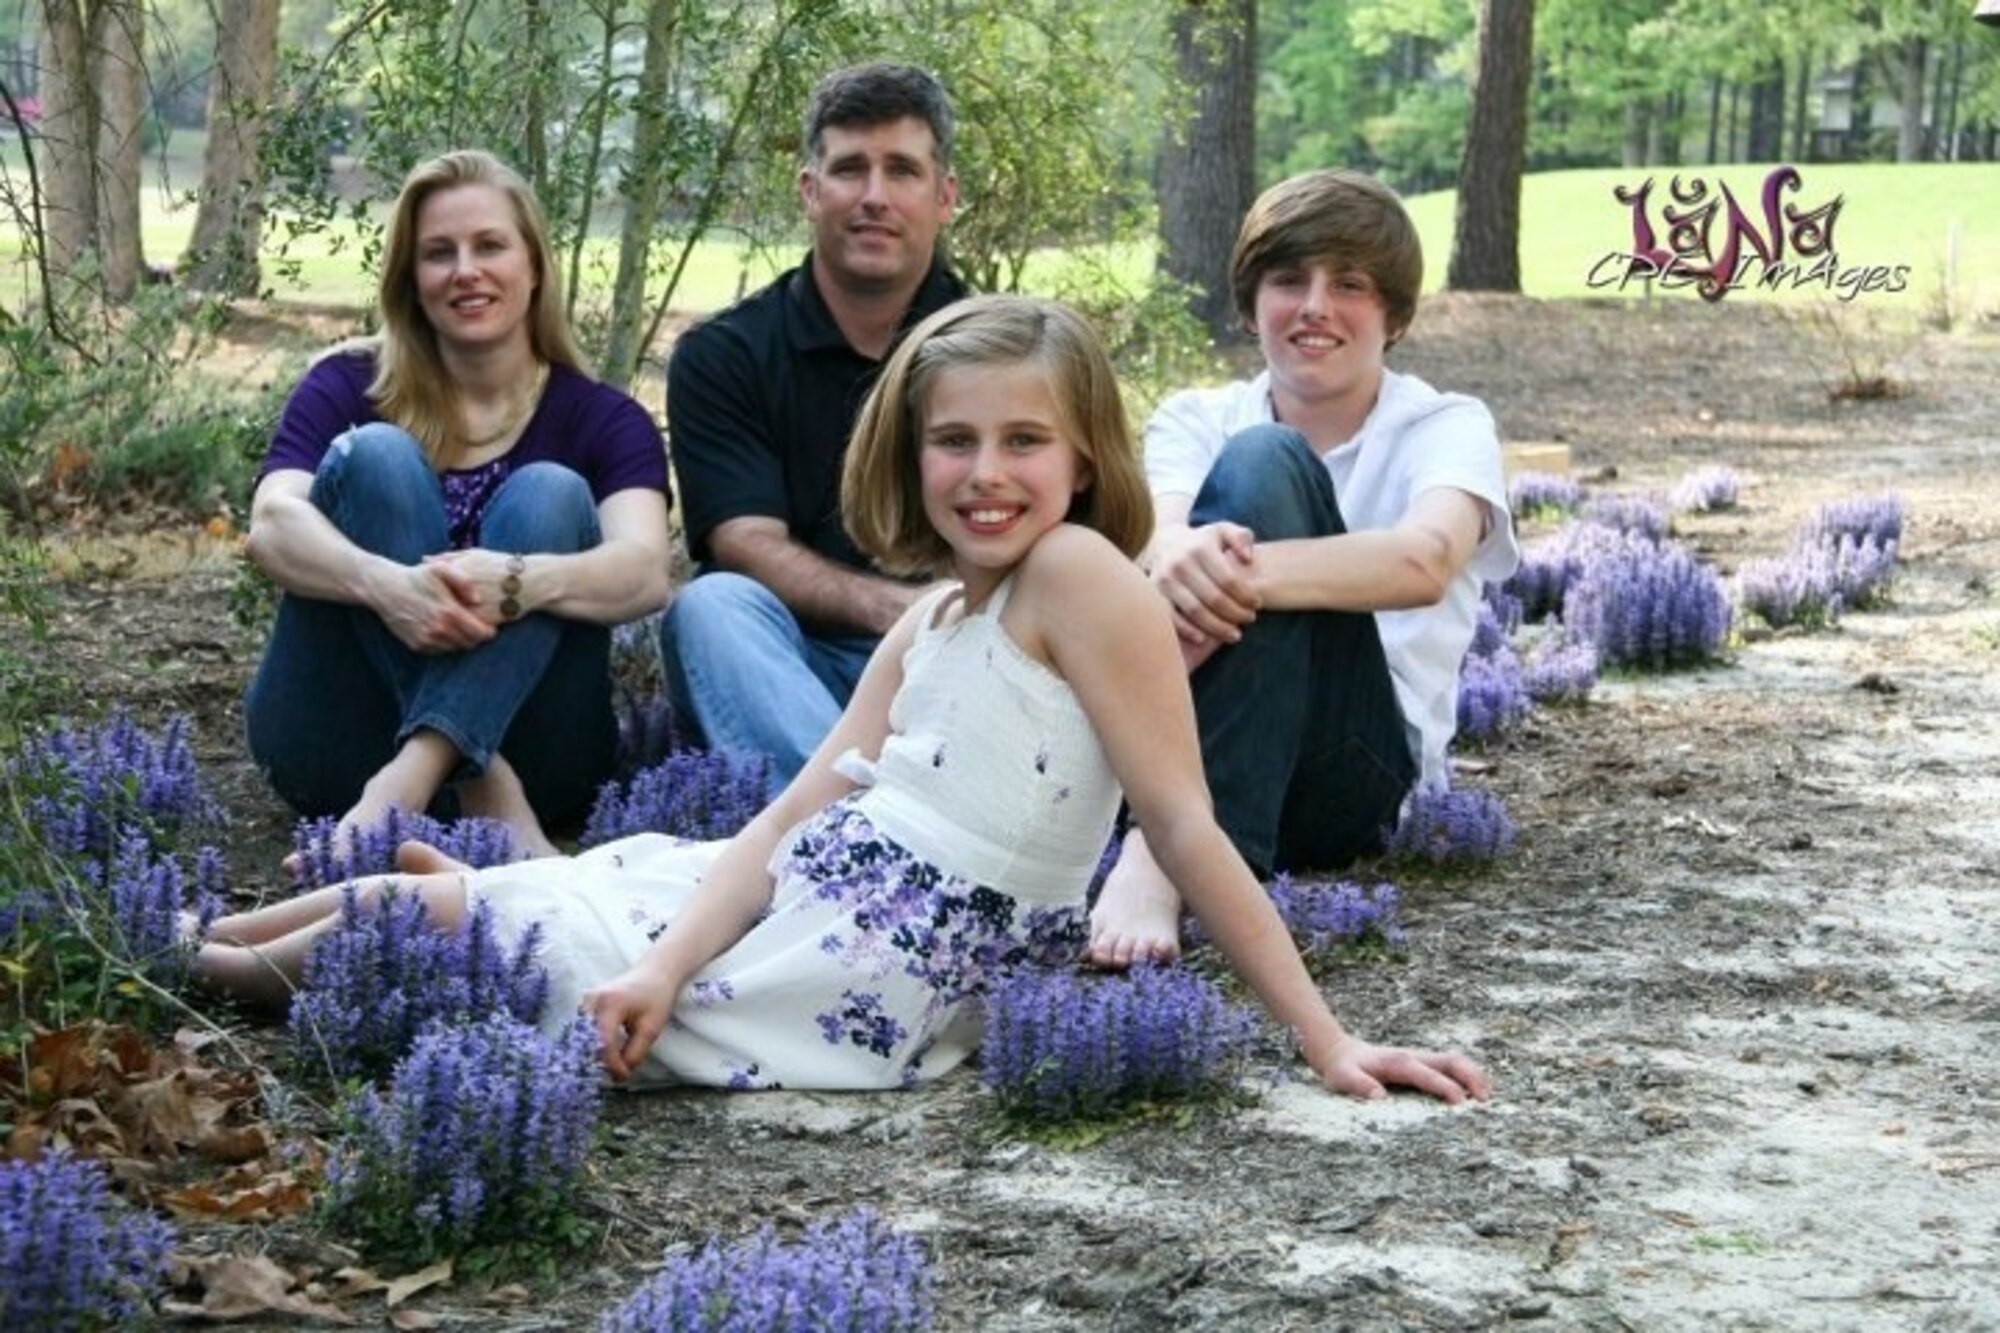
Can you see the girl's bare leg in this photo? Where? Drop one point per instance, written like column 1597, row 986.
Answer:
column 267, row 970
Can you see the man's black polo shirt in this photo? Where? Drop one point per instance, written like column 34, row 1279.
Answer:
column 760, row 401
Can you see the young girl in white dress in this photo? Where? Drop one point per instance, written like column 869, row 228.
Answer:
column 947, row 828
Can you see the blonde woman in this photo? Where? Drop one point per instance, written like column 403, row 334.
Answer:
column 457, row 513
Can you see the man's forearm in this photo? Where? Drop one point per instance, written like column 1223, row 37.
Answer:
column 822, row 593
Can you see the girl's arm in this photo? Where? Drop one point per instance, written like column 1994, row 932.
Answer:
column 1118, row 653
column 623, row 577
column 632, row 1009
column 304, row 553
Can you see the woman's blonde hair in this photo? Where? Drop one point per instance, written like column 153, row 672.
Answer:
column 881, row 491
column 411, row 388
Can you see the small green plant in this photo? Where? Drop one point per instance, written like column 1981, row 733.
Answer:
column 1853, row 352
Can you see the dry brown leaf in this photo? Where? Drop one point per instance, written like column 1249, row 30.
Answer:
column 247, row 1193
column 357, row 1282
column 243, row 1286
column 408, row 1285
column 413, row 1319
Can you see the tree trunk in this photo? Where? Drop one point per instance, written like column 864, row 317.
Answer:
column 229, row 223
column 1207, row 166
column 643, row 185
column 1729, row 149
column 1486, row 241
column 120, row 53
column 1767, row 114
column 1714, row 117
column 1910, row 54
column 1950, row 143
column 1638, row 132
column 69, row 132
column 1801, row 129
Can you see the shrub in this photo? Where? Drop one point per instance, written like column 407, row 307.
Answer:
column 1449, row 827
column 1549, row 566
column 1491, row 699
column 71, row 1255
column 150, row 899
column 853, row 1273
column 480, row 1140
column 1559, row 671
column 1061, row 1046
column 1543, row 495
column 696, row 794
column 1705, row 490
column 1633, row 514
column 1877, row 516
column 383, row 975
column 1648, row 608
column 1815, row 581
column 372, row 851
column 84, row 786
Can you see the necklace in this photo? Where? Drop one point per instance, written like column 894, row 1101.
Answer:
column 517, row 414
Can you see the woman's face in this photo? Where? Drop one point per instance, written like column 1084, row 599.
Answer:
column 475, row 274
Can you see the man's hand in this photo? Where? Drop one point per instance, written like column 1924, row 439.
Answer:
column 420, row 608
column 630, row 1012
column 1209, row 577
column 1361, row 1069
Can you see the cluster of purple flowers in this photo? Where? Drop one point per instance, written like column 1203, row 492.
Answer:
column 71, row 1255
column 1633, row 514
column 372, row 851
column 1875, row 516
column 1549, row 566
column 384, row 974
column 481, row 1138
column 1452, row 827
column 1648, row 607
column 694, row 794
column 1491, row 695
column 1060, row 1045
column 1558, row 671
column 1842, row 558
column 855, row 1274
column 1705, row 490
column 1543, row 495
column 83, row 787
column 648, row 731
column 150, row 899
column 1324, row 916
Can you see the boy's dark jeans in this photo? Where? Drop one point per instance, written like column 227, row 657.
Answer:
column 1301, row 735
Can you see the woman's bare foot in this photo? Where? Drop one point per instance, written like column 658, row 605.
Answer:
column 497, row 794
column 1138, row 915
column 406, row 783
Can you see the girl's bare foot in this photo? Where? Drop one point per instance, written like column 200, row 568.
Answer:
column 420, row 858
column 1138, row 915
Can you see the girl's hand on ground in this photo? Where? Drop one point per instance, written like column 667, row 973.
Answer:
column 630, row 1012
column 1361, row 1069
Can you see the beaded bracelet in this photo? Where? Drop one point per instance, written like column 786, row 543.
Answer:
column 510, row 587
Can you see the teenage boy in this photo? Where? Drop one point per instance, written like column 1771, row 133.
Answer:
column 764, row 648
column 1323, row 532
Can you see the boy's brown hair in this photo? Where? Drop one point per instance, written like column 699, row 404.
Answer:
column 1343, row 218
column 881, row 490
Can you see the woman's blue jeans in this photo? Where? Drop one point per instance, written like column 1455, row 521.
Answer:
column 337, row 693
column 1301, row 735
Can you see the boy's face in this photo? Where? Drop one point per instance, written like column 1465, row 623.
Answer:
column 1323, row 330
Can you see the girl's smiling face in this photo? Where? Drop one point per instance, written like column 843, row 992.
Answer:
column 998, row 467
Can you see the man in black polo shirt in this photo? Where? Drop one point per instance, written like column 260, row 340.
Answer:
column 764, row 648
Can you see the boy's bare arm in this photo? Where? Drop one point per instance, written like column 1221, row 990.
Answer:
column 1409, row 565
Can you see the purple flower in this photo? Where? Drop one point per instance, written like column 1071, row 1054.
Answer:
column 1543, row 495
column 1491, row 698
column 854, row 1273
column 1060, row 1045
column 1558, row 671
column 1876, row 516
column 1450, row 827
column 1651, row 608
column 1632, row 514
column 372, row 851
column 383, row 975
column 694, row 794
column 481, row 1138
column 648, row 731
column 147, row 894
column 84, row 787
column 1327, row 916
column 1549, row 566
column 71, row 1255
column 1705, row 490
column 1813, row 583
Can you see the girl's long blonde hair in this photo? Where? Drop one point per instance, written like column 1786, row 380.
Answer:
column 412, row 388
column 881, row 491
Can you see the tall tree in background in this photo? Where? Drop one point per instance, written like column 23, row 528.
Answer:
column 93, row 97
column 229, row 222
column 1486, row 241
column 1208, row 164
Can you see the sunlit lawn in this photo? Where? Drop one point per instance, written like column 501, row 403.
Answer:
column 1910, row 216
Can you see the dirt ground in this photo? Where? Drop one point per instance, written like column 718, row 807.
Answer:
column 1736, row 985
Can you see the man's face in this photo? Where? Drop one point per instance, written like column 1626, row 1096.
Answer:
column 876, row 201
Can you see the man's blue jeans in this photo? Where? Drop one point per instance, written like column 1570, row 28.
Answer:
column 337, row 693
column 739, row 663
column 1301, row 735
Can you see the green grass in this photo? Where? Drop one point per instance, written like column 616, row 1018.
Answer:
column 1893, row 215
